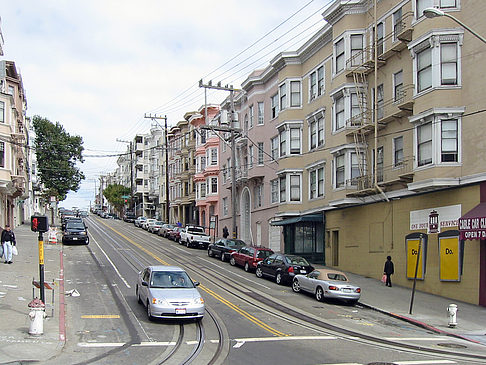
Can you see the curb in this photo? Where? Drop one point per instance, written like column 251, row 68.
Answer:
column 418, row 323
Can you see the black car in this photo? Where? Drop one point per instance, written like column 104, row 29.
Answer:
column 224, row 247
column 282, row 267
column 129, row 217
column 75, row 232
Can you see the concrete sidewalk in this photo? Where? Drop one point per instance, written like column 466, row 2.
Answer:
column 16, row 292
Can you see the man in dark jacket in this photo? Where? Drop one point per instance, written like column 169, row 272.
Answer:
column 8, row 241
column 388, row 270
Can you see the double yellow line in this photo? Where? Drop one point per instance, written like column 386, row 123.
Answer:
column 207, row 290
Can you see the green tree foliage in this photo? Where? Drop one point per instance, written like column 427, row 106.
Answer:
column 113, row 193
column 57, row 153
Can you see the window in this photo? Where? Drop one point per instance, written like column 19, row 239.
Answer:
column 225, row 207
column 283, row 142
column 2, row 112
column 379, row 164
column 274, row 152
column 283, row 186
column 274, row 191
column 294, row 141
column 250, row 156
column 225, row 174
column 397, row 23
column 339, row 56
column 294, row 188
column 258, row 196
column 355, row 109
column 11, row 90
column 274, row 105
column 398, row 87
column 448, row 63
column 260, row 153
column 316, row 183
column 251, row 112
column 444, row 4
column 214, row 156
column 316, row 83
column 355, row 172
column 2, row 154
column 398, row 151
column 381, row 102
column 424, row 69
column 421, row 5
column 339, row 163
column 245, row 124
column 295, row 94
column 260, row 113
column 203, row 163
column 379, row 41
column 202, row 192
column 339, row 112
column 214, row 185
column 357, row 49
column 283, row 96
column 424, row 144
column 316, row 128
column 449, row 141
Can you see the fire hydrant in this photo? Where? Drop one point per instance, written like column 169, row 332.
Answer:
column 452, row 312
column 37, row 315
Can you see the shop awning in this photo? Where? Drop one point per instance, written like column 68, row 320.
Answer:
column 472, row 225
column 301, row 218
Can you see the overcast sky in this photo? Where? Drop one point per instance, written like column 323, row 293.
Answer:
column 98, row 66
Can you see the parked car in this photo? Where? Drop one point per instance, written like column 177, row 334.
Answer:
column 138, row 222
column 75, row 231
column 154, row 228
column 282, row 267
column 223, row 247
column 175, row 234
column 129, row 217
column 145, row 224
column 165, row 229
column 168, row 292
column 327, row 283
column 248, row 257
column 195, row 236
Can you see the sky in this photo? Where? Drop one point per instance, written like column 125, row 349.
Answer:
column 98, row 66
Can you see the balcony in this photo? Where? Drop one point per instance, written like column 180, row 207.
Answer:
column 401, row 107
column 360, row 123
column 241, row 175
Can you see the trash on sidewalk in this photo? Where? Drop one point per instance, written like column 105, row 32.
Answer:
column 73, row 293
column 52, row 236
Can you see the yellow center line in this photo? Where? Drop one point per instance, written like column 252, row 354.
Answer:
column 207, row 290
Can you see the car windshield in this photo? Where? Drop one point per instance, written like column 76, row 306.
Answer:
column 296, row 260
column 159, row 223
column 75, row 225
column 170, row 279
column 263, row 254
column 336, row 276
column 233, row 243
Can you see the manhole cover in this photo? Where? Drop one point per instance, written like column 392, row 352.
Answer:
column 452, row 345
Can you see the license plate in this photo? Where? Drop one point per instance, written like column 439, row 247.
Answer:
column 75, row 238
column 346, row 290
column 180, row 311
column 303, row 271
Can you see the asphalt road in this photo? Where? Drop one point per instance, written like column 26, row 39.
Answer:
column 248, row 320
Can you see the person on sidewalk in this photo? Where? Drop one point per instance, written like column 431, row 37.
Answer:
column 8, row 241
column 225, row 232
column 388, row 270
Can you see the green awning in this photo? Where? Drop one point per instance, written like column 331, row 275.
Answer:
column 301, row 218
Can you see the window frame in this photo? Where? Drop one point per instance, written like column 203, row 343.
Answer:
column 261, row 113
column 316, row 176
column 260, row 158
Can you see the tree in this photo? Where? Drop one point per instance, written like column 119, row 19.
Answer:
column 113, row 193
column 57, row 153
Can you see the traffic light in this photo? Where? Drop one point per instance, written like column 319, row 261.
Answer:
column 39, row 223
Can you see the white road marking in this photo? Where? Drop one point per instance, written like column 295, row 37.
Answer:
column 286, row 338
column 424, row 362
column 100, row 344
column 112, row 264
column 145, row 344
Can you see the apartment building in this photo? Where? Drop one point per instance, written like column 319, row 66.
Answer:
column 378, row 144
column 13, row 146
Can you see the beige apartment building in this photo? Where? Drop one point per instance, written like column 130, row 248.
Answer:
column 377, row 143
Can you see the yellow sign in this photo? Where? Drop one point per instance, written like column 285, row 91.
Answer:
column 449, row 252
column 412, row 255
column 41, row 252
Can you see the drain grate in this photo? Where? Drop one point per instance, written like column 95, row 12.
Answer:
column 452, row 345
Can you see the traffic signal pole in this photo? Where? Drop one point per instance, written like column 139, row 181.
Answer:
column 41, row 267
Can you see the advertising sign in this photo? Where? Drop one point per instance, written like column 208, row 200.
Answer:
column 450, row 259
column 473, row 228
column 412, row 256
column 444, row 217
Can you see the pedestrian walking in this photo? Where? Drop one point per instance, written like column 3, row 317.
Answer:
column 8, row 242
column 225, row 232
column 388, row 270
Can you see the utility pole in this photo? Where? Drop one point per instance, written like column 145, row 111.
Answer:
column 130, row 143
column 232, row 131
column 167, row 201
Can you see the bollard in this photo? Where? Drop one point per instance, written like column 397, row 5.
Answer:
column 452, row 312
column 36, row 316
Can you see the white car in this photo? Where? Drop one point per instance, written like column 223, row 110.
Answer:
column 147, row 222
column 168, row 293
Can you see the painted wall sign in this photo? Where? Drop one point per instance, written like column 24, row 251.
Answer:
column 448, row 216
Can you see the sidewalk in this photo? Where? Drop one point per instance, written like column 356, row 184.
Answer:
column 16, row 293
column 429, row 311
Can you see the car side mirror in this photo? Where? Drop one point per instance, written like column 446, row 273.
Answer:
column 197, row 283
column 144, row 283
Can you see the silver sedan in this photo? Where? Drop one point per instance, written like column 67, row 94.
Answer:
column 327, row 283
column 168, row 292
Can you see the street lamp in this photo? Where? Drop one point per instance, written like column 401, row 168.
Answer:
column 434, row 13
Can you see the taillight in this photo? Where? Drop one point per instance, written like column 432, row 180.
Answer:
column 291, row 269
column 358, row 290
column 332, row 287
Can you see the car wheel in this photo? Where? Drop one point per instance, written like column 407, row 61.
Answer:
column 223, row 257
column 210, row 253
column 278, row 278
column 188, row 245
column 149, row 312
column 259, row 272
column 247, row 267
column 232, row 261
column 296, row 286
column 352, row 302
column 138, row 296
column 319, row 294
